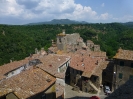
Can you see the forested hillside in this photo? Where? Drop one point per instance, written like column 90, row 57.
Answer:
column 18, row 42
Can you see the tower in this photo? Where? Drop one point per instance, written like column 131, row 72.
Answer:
column 62, row 41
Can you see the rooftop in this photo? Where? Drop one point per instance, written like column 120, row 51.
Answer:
column 27, row 83
column 88, row 64
column 92, row 53
column 11, row 66
column 124, row 54
column 52, row 62
column 53, row 49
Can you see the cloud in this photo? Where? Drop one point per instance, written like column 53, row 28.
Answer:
column 104, row 16
column 33, row 10
column 126, row 18
column 102, row 5
column 10, row 7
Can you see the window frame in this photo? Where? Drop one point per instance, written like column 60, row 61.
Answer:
column 120, row 76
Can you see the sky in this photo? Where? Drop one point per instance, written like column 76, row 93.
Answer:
column 18, row 12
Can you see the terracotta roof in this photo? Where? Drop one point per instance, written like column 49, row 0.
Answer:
column 52, row 62
column 91, row 53
column 4, row 91
column 27, row 83
column 53, row 49
column 85, row 63
column 11, row 66
column 98, row 54
column 99, row 69
column 124, row 54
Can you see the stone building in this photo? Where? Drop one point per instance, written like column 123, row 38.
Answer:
column 86, row 72
column 123, row 67
column 91, row 46
column 69, row 42
column 56, row 65
column 35, row 77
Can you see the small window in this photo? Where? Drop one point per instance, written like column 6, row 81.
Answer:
column 121, row 63
column 60, row 40
column 131, row 77
column 131, row 65
column 120, row 75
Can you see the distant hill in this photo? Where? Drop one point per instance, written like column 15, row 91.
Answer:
column 59, row 21
column 128, row 24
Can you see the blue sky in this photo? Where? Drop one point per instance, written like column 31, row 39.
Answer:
column 94, row 11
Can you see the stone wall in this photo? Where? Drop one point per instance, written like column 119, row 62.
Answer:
column 123, row 73
column 72, row 38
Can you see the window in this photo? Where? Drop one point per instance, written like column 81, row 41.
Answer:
column 121, row 63
column 60, row 40
column 131, row 77
column 120, row 75
column 131, row 65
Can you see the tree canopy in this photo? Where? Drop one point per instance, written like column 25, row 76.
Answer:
column 19, row 41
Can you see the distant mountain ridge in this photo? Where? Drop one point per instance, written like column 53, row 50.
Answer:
column 59, row 21
column 128, row 24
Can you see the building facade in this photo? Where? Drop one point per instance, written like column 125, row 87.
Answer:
column 123, row 67
column 86, row 72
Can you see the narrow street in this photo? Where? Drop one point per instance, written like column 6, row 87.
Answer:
column 70, row 94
